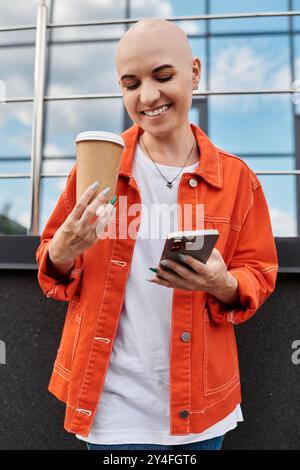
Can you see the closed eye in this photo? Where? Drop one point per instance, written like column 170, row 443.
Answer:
column 161, row 79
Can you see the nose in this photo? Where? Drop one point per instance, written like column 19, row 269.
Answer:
column 149, row 94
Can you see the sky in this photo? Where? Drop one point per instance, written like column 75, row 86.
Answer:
column 253, row 124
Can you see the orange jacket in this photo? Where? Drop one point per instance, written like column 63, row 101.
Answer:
column 204, row 370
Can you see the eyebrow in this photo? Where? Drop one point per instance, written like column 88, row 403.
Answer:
column 157, row 69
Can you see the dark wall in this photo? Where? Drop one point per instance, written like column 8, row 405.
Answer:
column 30, row 326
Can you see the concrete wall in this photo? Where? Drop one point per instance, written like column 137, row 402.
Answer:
column 31, row 324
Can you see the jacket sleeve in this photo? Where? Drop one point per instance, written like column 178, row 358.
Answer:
column 254, row 264
column 51, row 284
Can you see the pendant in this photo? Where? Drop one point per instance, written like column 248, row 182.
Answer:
column 170, row 184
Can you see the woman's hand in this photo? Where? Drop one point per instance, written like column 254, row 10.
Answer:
column 82, row 227
column 211, row 277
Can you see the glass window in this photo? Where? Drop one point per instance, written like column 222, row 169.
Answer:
column 50, row 190
column 252, row 123
column 65, row 11
column 57, row 165
column 14, row 206
column 17, row 69
column 296, row 19
column 77, row 35
column 18, row 12
column 15, row 137
column 248, row 24
column 169, row 8
column 296, row 97
column 282, row 204
column 252, row 63
column 82, row 68
column 22, row 38
column 198, row 49
column 261, row 124
column 66, row 119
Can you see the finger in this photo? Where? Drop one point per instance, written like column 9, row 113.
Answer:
column 175, row 280
column 194, row 263
column 83, row 201
column 168, row 275
column 90, row 210
column 176, row 284
column 179, row 269
column 160, row 282
column 104, row 220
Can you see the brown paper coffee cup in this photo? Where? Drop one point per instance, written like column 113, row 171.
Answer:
column 98, row 158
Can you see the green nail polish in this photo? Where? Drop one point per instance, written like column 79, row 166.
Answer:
column 154, row 270
column 113, row 200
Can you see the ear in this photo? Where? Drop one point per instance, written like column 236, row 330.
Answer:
column 196, row 71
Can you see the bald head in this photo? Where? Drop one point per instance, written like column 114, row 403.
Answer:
column 150, row 36
column 156, row 69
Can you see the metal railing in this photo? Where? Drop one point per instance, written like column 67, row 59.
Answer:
column 101, row 96
column 122, row 21
column 39, row 97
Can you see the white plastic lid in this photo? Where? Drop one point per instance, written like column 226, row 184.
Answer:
column 100, row 135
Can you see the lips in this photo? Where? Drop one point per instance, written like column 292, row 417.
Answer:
column 158, row 115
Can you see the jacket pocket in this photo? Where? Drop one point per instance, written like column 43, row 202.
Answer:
column 70, row 335
column 220, row 356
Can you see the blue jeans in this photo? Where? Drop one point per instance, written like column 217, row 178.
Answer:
column 210, row 444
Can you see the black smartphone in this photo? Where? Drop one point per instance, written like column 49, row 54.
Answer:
column 196, row 243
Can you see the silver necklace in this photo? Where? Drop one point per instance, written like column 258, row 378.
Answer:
column 169, row 183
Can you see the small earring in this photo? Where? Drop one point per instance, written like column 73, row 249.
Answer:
column 196, row 87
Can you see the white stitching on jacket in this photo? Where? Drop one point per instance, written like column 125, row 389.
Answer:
column 104, row 340
column 218, row 401
column 120, row 263
column 83, row 411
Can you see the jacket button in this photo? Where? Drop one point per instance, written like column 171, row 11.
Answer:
column 184, row 414
column 193, row 182
column 185, row 337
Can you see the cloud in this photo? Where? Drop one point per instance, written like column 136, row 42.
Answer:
column 18, row 12
column 67, row 119
column 23, row 142
column 57, row 166
column 82, row 68
column 106, row 9
column 244, row 68
column 52, row 150
column 17, row 70
column 189, row 27
column 23, row 219
column 283, row 223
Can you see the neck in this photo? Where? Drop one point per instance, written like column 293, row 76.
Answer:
column 171, row 149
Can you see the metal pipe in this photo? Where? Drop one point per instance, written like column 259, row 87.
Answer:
column 37, row 118
column 22, row 99
column 65, row 175
column 173, row 18
column 17, row 28
column 96, row 96
column 178, row 18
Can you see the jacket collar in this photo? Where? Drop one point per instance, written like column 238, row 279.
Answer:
column 210, row 164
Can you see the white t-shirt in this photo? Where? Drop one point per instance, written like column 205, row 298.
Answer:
column 134, row 404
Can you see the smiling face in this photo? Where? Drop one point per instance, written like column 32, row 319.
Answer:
column 157, row 75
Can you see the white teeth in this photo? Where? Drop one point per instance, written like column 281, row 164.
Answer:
column 157, row 111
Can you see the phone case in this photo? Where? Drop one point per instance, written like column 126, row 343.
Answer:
column 198, row 244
